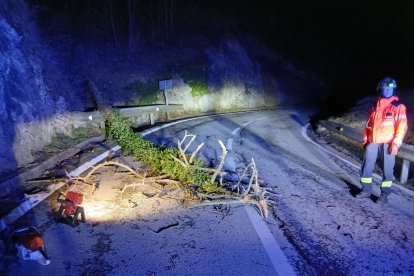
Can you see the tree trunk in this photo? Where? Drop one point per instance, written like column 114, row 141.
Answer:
column 111, row 16
column 132, row 32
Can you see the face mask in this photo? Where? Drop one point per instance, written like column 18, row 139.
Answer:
column 387, row 92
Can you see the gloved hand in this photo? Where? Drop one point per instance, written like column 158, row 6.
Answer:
column 364, row 142
column 394, row 149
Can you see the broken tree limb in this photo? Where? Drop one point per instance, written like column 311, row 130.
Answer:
column 108, row 163
column 133, row 184
column 183, row 151
column 207, row 203
column 195, row 153
column 193, row 136
column 179, row 161
column 223, row 196
column 222, row 159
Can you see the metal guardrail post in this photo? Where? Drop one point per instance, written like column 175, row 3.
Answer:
column 404, row 171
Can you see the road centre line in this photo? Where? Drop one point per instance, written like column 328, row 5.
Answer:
column 236, row 131
column 272, row 248
column 229, row 144
column 277, row 257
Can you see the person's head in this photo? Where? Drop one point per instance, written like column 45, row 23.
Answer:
column 387, row 87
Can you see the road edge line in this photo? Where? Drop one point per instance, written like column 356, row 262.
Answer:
column 274, row 252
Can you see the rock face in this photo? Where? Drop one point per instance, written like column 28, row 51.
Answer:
column 23, row 96
column 234, row 80
column 30, row 114
column 37, row 97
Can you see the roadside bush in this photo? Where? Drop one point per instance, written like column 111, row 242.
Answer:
column 198, row 88
column 147, row 92
column 159, row 159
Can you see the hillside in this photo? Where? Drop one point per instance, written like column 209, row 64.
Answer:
column 51, row 67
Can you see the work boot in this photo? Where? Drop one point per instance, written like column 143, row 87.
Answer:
column 382, row 199
column 363, row 194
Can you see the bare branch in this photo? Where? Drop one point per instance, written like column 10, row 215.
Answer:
column 179, row 161
column 180, row 143
column 222, row 159
column 193, row 136
column 195, row 152
column 104, row 164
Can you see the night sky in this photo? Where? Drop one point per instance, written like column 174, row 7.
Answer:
column 355, row 40
column 354, row 43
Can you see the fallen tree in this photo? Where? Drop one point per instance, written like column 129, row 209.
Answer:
column 180, row 171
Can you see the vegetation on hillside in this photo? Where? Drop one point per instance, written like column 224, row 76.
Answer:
column 145, row 93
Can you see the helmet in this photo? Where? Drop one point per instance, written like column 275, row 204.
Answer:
column 387, row 83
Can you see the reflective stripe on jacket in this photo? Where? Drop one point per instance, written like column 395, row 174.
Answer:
column 387, row 123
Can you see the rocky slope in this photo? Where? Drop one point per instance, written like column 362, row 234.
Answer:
column 44, row 78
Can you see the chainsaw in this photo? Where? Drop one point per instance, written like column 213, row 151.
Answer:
column 29, row 244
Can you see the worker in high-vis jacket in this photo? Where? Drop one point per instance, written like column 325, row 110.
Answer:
column 383, row 136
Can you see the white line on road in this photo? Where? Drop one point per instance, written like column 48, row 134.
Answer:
column 229, row 144
column 272, row 248
column 236, row 131
column 274, row 252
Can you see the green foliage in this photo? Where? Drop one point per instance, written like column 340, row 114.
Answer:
column 148, row 99
column 193, row 72
column 160, row 159
column 148, row 92
column 198, row 88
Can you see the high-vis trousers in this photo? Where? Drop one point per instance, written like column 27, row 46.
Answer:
column 372, row 151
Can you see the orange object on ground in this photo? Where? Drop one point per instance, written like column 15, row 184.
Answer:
column 76, row 199
column 32, row 241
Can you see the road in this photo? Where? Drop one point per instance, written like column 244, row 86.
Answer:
column 316, row 221
column 325, row 230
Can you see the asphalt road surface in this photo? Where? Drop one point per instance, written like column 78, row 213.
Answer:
column 316, row 221
column 328, row 231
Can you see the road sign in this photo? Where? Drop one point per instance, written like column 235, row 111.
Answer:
column 165, row 84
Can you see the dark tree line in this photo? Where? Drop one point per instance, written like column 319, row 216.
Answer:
column 108, row 22
column 318, row 33
column 131, row 22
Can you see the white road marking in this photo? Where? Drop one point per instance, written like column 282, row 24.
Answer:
column 272, row 248
column 236, row 131
column 229, row 144
column 274, row 252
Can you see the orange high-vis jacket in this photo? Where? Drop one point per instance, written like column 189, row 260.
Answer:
column 387, row 123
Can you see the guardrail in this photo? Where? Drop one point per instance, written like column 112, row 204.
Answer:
column 406, row 152
column 95, row 117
